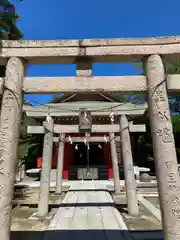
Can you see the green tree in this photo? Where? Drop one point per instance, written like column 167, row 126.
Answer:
column 8, row 21
column 8, row 28
column 9, row 31
column 29, row 145
column 133, row 97
column 171, row 67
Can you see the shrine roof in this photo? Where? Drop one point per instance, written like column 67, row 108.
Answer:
column 85, row 97
column 75, row 107
column 94, row 105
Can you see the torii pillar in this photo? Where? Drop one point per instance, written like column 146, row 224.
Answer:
column 130, row 181
column 164, row 148
column 116, row 178
column 46, row 168
column 10, row 120
column 59, row 173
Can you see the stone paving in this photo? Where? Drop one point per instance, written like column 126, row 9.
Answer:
column 87, row 206
column 88, row 211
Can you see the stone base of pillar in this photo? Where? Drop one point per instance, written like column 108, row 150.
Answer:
column 18, row 176
column 110, row 179
column 35, row 216
column 127, row 216
column 58, row 194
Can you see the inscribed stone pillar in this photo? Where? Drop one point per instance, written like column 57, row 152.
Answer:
column 46, row 169
column 60, row 164
column 115, row 163
column 164, row 148
column 10, row 120
column 130, row 182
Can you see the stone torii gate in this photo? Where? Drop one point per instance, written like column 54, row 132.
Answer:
column 151, row 51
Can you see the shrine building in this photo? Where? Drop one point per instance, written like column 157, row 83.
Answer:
column 87, row 154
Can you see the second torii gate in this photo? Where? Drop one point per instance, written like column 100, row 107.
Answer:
column 111, row 129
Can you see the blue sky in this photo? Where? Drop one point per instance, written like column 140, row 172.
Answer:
column 79, row 19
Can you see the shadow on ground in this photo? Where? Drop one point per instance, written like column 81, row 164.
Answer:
column 20, row 192
column 88, row 235
column 89, row 190
column 120, row 207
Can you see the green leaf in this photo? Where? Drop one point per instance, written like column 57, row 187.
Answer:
column 8, row 19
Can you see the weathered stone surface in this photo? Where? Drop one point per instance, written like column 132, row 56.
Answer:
column 117, row 187
column 145, row 177
column 102, row 50
column 9, row 134
column 90, row 42
column 46, row 170
column 60, row 164
column 93, row 84
column 164, row 148
column 130, row 182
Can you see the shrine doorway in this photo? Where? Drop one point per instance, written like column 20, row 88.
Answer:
column 88, row 163
column 82, row 156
